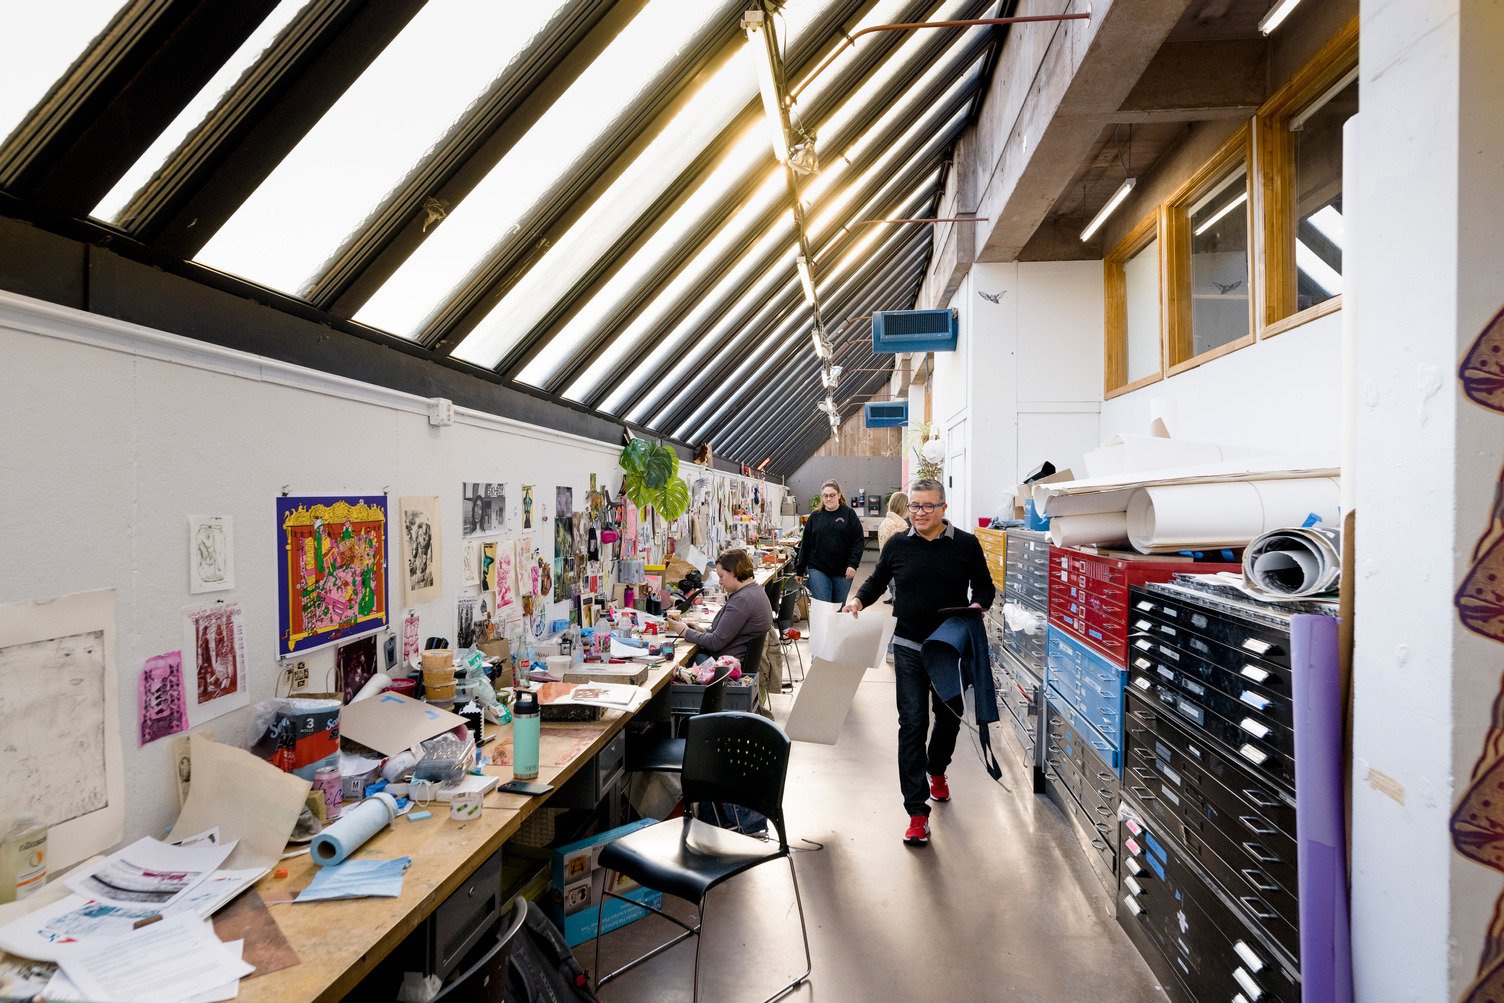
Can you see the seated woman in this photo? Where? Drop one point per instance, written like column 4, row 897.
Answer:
column 746, row 615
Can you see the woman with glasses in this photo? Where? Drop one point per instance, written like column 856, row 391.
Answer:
column 832, row 546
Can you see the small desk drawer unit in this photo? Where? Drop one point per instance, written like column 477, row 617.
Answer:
column 1093, row 688
column 1201, row 949
column 469, row 911
column 1085, row 789
column 1027, row 580
column 1089, row 594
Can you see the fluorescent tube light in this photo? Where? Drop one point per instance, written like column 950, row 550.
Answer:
column 1229, row 207
column 1108, row 209
column 760, row 44
column 806, row 278
column 1276, row 17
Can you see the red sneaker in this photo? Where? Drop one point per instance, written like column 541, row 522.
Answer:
column 918, row 832
column 939, row 789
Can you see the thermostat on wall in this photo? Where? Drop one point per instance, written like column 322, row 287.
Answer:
column 440, row 412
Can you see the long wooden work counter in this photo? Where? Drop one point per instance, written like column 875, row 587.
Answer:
column 340, row 942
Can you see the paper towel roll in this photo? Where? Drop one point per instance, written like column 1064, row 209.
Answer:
column 1085, row 530
column 1166, row 518
column 358, row 824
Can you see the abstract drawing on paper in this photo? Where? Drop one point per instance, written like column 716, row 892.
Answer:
column 485, row 508
column 331, row 582
column 211, row 556
column 488, row 566
column 214, row 642
column 422, row 548
column 163, row 702
column 506, row 588
column 58, row 699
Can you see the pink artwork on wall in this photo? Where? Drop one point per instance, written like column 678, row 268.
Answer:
column 164, row 704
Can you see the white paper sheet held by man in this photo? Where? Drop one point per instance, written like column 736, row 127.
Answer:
column 849, row 640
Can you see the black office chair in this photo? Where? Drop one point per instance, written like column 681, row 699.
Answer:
column 666, row 755
column 486, row 980
column 729, row 758
column 784, row 613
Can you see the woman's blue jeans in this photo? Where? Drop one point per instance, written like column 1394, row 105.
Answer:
column 828, row 588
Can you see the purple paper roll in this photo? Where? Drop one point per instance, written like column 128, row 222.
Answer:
column 1320, row 829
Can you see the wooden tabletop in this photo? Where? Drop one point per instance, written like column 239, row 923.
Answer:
column 340, row 942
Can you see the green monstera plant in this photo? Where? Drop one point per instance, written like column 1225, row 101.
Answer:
column 651, row 477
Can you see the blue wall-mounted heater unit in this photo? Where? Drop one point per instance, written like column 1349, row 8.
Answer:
column 915, row 331
column 887, row 414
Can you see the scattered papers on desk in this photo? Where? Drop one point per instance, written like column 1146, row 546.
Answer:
column 850, row 640
column 253, row 804
column 149, row 873
column 178, row 960
column 357, row 879
column 62, row 988
column 614, row 696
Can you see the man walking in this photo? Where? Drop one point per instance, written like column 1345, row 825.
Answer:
column 932, row 567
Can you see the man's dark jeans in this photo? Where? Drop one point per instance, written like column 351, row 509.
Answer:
column 915, row 697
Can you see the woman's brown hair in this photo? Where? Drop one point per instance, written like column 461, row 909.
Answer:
column 737, row 563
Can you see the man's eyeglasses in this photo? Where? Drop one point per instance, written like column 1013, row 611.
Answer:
column 925, row 506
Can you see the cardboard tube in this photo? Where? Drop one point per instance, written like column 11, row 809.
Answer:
column 1085, row 530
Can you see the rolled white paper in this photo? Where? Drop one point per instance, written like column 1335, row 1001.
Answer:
column 1087, row 530
column 355, row 826
column 1199, row 516
column 373, row 686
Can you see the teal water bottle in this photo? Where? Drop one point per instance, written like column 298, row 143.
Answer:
column 525, row 723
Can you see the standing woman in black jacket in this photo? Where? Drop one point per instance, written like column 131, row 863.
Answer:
column 832, row 546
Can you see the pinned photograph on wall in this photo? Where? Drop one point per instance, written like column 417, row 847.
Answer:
column 527, row 506
column 211, row 557
column 471, row 562
column 355, row 664
column 411, row 647
column 214, row 641
column 422, row 547
column 485, row 508
column 563, row 502
column 506, row 586
column 467, row 614
column 488, row 565
column 58, row 699
column 163, row 702
column 331, row 585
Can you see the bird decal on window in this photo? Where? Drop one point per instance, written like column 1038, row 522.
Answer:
column 1229, row 287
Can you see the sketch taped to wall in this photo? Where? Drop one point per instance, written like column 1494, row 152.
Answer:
column 211, row 554
column 422, row 548
column 58, row 702
column 162, row 697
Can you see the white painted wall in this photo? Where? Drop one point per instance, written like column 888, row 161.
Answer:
column 1025, row 384
column 1430, row 274
column 111, row 435
column 1279, row 394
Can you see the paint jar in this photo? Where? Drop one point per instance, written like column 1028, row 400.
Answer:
column 437, row 659
column 406, row 687
column 23, row 858
column 526, row 721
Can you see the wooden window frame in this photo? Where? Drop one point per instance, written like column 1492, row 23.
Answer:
column 1176, row 254
column 1275, row 191
column 1115, row 346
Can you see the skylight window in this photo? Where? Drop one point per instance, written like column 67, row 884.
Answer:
column 385, row 124
column 498, row 204
column 40, row 42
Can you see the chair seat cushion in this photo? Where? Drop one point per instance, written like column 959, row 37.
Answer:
column 663, row 756
column 685, row 857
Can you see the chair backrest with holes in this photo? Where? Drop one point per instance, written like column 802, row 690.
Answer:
column 737, row 758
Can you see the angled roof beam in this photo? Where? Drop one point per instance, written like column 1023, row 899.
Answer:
column 595, row 171
column 125, row 89
column 648, row 222
column 887, row 262
column 263, row 116
column 661, row 375
column 662, row 281
column 790, row 455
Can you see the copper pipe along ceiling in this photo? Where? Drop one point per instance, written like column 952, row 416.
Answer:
column 910, row 26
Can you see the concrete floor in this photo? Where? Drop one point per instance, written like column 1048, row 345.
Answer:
column 1000, row 906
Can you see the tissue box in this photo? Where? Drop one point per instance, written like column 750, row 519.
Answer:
column 574, row 892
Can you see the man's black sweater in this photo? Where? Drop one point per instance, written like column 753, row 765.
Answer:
column 928, row 576
column 832, row 542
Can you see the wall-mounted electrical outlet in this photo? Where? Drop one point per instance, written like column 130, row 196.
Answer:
column 299, row 677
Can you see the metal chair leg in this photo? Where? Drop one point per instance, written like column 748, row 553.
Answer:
column 809, row 964
column 695, row 985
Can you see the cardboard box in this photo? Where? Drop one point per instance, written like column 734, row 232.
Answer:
column 574, row 891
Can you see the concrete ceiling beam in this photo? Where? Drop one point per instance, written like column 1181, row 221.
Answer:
column 1197, row 80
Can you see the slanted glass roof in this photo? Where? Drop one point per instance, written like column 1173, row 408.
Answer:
column 575, row 197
